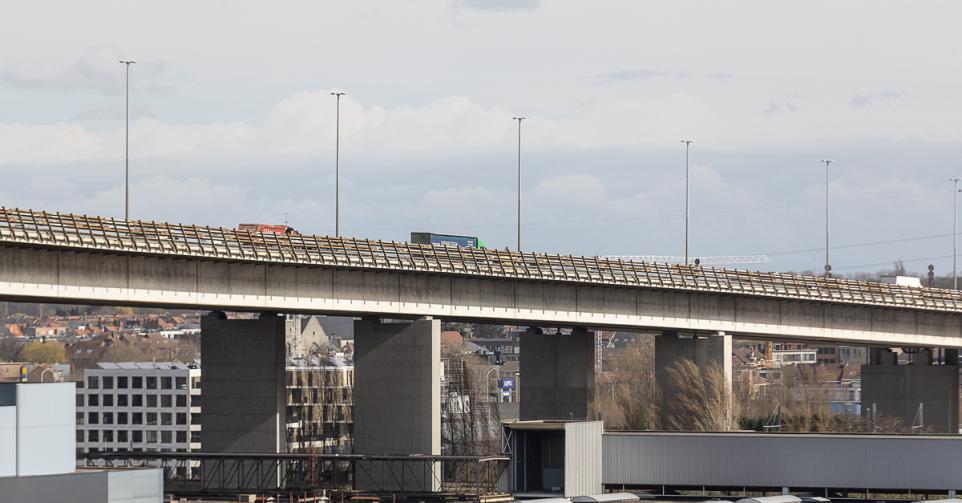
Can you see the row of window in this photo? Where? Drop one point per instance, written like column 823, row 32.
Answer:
column 139, row 382
column 148, row 418
column 94, row 400
column 137, row 436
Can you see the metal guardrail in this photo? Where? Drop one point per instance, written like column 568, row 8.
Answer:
column 197, row 473
column 38, row 228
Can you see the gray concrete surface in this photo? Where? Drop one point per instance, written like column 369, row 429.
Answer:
column 397, row 399
column 703, row 349
column 243, row 383
column 898, row 390
column 38, row 274
column 557, row 375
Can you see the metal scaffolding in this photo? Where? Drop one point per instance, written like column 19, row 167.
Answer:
column 109, row 235
column 197, row 473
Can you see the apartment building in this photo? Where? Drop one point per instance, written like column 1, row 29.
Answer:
column 320, row 407
column 143, row 406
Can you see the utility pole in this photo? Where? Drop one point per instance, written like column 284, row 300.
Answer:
column 127, row 64
column 687, row 148
column 337, row 166
column 519, row 119
column 828, row 264
column 955, row 232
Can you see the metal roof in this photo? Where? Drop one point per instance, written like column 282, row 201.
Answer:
column 68, row 231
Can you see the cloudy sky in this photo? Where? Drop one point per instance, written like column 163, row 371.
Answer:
column 232, row 120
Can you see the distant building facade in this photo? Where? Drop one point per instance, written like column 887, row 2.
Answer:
column 146, row 406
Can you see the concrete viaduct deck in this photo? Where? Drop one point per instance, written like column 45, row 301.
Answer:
column 65, row 258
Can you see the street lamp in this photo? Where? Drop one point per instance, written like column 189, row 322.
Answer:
column 127, row 64
column 687, row 148
column 828, row 264
column 519, row 119
column 487, row 383
column 955, row 232
column 337, row 166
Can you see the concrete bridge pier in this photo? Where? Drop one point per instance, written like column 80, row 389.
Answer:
column 921, row 394
column 397, row 401
column 557, row 375
column 703, row 349
column 243, row 382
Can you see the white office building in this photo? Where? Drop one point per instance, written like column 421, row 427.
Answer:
column 147, row 406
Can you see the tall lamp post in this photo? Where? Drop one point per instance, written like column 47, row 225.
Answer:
column 955, row 232
column 337, row 166
column 127, row 64
column 687, row 148
column 519, row 119
column 828, row 264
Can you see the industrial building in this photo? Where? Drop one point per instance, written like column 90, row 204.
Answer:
column 38, row 459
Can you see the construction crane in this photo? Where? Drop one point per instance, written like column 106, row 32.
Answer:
column 706, row 261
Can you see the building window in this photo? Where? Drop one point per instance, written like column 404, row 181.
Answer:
column 165, row 419
column 166, row 437
column 93, row 400
column 181, row 437
column 80, row 435
column 108, row 418
column 182, row 400
column 167, row 382
column 92, row 418
column 138, row 436
column 79, row 400
column 137, row 382
column 121, row 382
column 151, row 382
column 121, row 400
column 137, row 418
column 138, row 400
column 108, row 435
column 80, row 418
column 151, row 400
column 181, row 418
column 108, row 400
column 195, row 418
column 195, row 382
column 93, row 436
column 93, row 382
column 151, row 436
column 122, row 435
column 152, row 418
column 165, row 401
column 108, row 382
column 121, row 418
column 194, row 437
column 181, row 383
column 195, row 400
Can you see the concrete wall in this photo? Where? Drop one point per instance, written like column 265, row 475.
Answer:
column 61, row 276
column 397, row 399
column 558, row 375
column 86, row 486
column 243, row 384
column 866, row 462
column 897, row 390
column 702, row 349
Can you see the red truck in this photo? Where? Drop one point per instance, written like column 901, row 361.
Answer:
column 267, row 229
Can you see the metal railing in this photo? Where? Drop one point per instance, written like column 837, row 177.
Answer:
column 195, row 473
column 66, row 231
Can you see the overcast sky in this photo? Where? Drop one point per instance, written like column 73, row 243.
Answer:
column 232, row 120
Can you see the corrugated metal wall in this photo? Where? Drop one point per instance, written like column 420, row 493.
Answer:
column 783, row 460
column 46, row 425
column 583, row 458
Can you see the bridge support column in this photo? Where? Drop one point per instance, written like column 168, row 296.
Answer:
column 557, row 375
column 242, row 365
column 701, row 349
column 919, row 394
column 397, row 402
